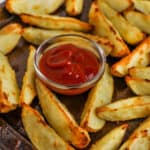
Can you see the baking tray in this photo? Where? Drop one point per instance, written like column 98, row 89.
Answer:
column 12, row 134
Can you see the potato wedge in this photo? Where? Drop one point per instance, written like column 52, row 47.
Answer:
column 125, row 109
column 56, row 22
column 139, row 20
column 130, row 33
column 60, row 118
column 112, row 140
column 33, row 7
column 142, row 5
column 140, row 138
column 100, row 95
column 140, row 72
column 28, row 91
column 119, row 5
column 9, row 91
column 137, row 58
column 9, row 37
column 104, row 28
column 74, row 7
column 41, row 135
column 138, row 86
column 37, row 36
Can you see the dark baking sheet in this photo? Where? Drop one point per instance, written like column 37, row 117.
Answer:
column 12, row 134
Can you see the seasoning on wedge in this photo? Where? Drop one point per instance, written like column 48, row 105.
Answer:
column 60, row 118
column 9, row 90
column 125, row 109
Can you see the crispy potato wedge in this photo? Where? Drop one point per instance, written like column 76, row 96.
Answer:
column 140, row 138
column 139, row 20
column 112, row 140
column 130, row 33
column 9, row 37
column 119, row 5
column 140, row 72
column 138, row 57
column 142, row 5
column 37, row 36
column 74, row 7
column 104, row 28
column 56, row 22
column 41, row 135
column 33, row 7
column 138, row 86
column 125, row 109
column 28, row 91
column 60, row 118
column 9, row 91
column 100, row 95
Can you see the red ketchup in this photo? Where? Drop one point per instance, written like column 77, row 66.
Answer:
column 68, row 64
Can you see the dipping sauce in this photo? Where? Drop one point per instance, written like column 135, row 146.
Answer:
column 68, row 64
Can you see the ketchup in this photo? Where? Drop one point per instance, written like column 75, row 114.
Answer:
column 68, row 64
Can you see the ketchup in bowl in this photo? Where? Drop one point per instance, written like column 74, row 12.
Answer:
column 69, row 64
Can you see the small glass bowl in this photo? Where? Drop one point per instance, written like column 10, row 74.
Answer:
column 79, row 41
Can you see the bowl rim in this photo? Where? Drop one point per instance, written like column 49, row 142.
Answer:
column 69, row 87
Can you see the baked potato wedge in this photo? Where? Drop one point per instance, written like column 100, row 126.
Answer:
column 9, row 37
column 119, row 5
column 131, row 34
column 125, row 109
column 33, row 7
column 9, row 90
column 140, row 20
column 28, row 91
column 100, row 95
column 56, row 22
column 137, row 58
column 104, row 28
column 112, row 140
column 37, row 36
column 142, row 5
column 60, row 118
column 41, row 135
column 138, row 86
column 140, row 138
column 140, row 72
column 74, row 7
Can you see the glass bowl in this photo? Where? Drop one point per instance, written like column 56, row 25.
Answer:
column 81, row 42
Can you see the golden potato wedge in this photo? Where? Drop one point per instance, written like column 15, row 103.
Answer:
column 142, row 5
column 37, row 36
column 140, row 72
column 56, row 22
column 139, row 20
column 33, row 7
column 112, row 140
column 100, row 95
column 74, row 7
column 140, row 138
column 104, row 28
column 9, row 91
column 28, row 91
column 41, row 135
column 60, row 118
column 138, row 86
column 138, row 57
column 130, row 33
column 9, row 37
column 119, row 5
column 125, row 109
